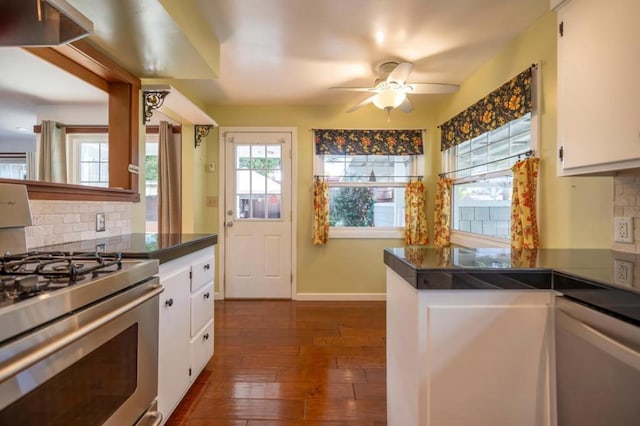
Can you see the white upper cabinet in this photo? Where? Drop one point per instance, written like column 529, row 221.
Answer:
column 598, row 85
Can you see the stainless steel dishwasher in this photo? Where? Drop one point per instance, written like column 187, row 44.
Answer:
column 597, row 367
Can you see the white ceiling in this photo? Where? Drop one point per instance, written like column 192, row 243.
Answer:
column 283, row 51
column 292, row 51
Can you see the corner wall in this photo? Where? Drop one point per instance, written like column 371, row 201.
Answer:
column 574, row 212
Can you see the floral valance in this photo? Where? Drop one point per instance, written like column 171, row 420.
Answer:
column 368, row 142
column 510, row 101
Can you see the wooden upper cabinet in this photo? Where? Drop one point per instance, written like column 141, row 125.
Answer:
column 598, row 89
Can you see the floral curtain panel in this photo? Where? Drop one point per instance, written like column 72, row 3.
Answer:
column 524, row 223
column 416, row 231
column 442, row 214
column 507, row 103
column 320, row 212
column 368, row 142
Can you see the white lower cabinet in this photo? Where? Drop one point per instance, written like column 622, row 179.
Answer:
column 201, row 348
column 468, row 357
column 185, row 325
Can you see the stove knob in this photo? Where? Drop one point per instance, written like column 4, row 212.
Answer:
column 169, row 303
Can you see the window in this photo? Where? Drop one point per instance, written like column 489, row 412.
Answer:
column 366, row 191
column 90, row 156
column 479, row 146
column 151, row 183
column 258, row 181
column 13, row 165
column 482, row 178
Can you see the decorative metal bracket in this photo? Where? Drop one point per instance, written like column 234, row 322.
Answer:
column 201, row 131
column 153, row 99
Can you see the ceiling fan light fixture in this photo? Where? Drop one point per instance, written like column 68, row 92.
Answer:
column 389, row 98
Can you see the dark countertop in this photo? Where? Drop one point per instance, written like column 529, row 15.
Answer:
column 603, row 279
column 164, row 247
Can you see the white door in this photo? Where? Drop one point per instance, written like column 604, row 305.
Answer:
column 257, row 214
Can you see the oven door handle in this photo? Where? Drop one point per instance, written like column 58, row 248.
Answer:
column 25, row 361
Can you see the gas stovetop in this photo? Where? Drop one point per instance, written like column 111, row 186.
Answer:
column 30, row 274
column 37, row 287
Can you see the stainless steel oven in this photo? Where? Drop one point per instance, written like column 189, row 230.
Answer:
column 84, row 354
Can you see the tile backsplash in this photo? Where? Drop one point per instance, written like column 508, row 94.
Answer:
column 56, row 222
column 626, row 202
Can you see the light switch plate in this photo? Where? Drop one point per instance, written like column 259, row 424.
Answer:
column 623, row 229
column 100, row 222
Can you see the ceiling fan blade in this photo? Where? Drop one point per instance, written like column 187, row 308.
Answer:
column 406, row 105
column 362, row 103
column 353, row 89
column 400, row 74
column 433, row 88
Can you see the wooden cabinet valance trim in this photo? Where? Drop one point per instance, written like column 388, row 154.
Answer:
column 68, row 192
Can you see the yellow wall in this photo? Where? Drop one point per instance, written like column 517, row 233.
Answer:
column 574, row 212
column 343, row 265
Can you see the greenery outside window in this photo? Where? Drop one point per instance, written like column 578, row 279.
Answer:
column 151, row 183
column 366, row 193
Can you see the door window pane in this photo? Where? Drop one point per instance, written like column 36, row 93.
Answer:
column 273, row 207
column 258, row 181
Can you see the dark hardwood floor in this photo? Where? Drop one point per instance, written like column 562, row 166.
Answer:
column 284, row 363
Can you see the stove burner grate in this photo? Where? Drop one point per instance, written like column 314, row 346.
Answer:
column 32, row 273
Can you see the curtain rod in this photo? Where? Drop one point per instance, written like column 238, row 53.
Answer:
column 368, row 177
column 526, row 154
column 374, row 129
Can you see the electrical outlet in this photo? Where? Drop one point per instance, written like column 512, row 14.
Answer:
column 622, row 272
column 100, row 222
column 623, row 229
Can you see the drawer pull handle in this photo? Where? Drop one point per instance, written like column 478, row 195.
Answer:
column 207, row 295
column 169, row 303
column 205, row 337
column 207, row 267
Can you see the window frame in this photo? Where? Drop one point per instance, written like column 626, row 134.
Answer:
column 357, row 232
column 18, row 158
column 448, row 161
column 74, row 140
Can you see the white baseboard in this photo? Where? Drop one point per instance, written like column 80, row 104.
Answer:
column 336, row 297
column 343, row 297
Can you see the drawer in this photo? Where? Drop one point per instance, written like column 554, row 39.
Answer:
column 201, row 348
column 201, row 273
column 201, row 308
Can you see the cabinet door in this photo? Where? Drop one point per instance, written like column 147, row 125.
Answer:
column 174, row 333
column 495, row 359
column 201, row 350
column 598, row 89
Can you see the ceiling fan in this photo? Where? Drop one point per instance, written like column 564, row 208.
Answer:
column 391, row 92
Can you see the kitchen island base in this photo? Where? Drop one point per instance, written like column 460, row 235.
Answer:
column 468, row 357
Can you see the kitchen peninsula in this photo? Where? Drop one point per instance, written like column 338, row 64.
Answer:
column 470, row 332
